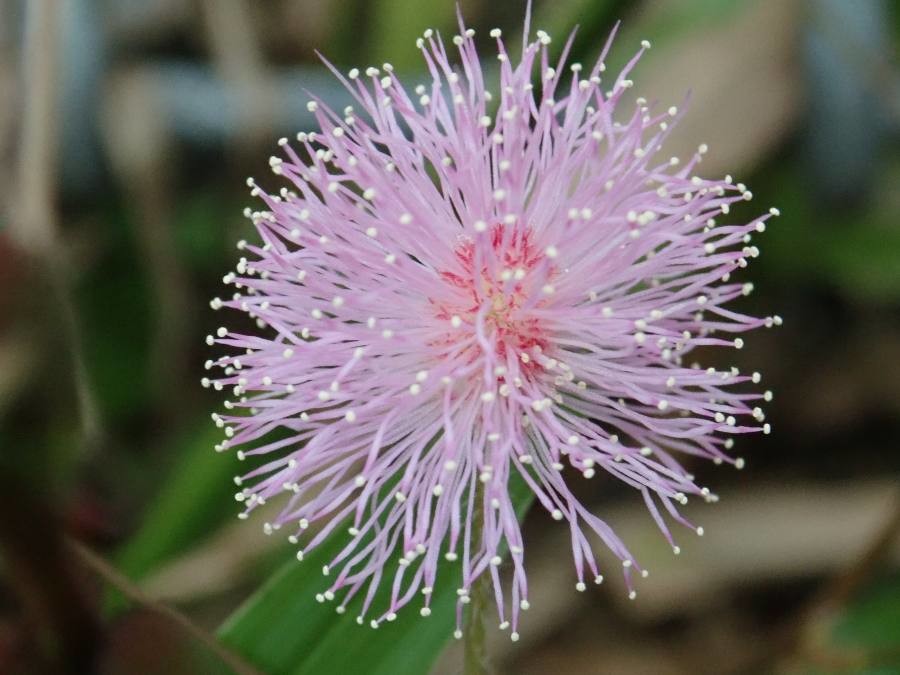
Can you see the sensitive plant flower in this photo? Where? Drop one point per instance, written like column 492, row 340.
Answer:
column 465, row 286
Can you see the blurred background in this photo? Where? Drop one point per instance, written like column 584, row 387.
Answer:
column 127, row 129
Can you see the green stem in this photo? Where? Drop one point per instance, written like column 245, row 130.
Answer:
column 476, row 657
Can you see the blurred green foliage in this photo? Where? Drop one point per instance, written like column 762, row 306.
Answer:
column 397, row 23
column 116, row 316
column 868, row 631
column 193, row 502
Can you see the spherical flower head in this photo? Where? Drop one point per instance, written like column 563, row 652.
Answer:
column 459, row 288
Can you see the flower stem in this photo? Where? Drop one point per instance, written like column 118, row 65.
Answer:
column 476, row 657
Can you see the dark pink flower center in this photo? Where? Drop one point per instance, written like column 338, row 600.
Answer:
column 504, row 283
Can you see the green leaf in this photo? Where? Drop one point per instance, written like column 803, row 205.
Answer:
column 194, row 499
column 283, row 630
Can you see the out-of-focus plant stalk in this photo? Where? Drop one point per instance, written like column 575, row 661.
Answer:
column 475, row 648
column 133, row 592
column 67, row 631
column 34, row 226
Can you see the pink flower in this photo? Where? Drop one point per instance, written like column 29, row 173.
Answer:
column 460, row 286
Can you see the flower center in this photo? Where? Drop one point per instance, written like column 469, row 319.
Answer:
column 494, row 289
